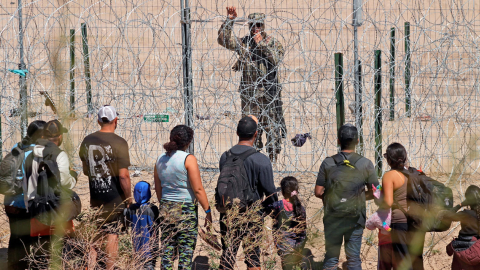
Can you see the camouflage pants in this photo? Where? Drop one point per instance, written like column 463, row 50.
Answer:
column 179, row 233
column 260, row 104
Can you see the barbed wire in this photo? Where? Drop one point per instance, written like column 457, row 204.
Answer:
column 135, row 61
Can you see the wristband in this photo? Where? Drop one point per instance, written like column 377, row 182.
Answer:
column 209, row 210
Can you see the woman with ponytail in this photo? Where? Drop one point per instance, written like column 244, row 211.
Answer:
column 466, row 247
column 394, row 185
column 290, row 224
column 18, row 217
column 179, row 190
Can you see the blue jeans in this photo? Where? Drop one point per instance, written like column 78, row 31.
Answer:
column 336, row 231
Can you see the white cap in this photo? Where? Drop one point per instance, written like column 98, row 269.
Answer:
column 107, row 114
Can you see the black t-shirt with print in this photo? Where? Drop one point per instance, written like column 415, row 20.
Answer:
column 103, row 154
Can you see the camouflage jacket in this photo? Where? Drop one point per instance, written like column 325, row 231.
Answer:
column 257, row 62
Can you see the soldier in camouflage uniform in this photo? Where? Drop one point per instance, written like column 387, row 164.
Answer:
column 260, row 92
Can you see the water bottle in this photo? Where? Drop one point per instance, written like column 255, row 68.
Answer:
column 19, row 176
column 18, row 182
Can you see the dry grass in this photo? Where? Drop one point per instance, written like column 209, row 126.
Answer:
column 207, row 258
column 74, row 251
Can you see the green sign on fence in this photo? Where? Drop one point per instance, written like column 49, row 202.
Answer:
column 156, row 118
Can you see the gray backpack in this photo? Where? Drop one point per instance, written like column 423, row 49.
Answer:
column 11, row 165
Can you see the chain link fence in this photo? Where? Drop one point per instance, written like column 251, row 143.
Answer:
column 129, row 54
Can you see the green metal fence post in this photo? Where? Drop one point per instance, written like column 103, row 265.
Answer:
column 378, row 112
column 72, row 72
column 392, row 74
column 340, row 108
column 408, row 90
column 86, row 62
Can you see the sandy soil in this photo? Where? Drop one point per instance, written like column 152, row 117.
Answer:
column 435, row 254
column 135, row 56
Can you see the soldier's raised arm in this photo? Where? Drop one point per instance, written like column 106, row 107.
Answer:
column 272, row 49
column 226, row 38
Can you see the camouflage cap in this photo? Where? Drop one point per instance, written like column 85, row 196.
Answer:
column 256, row 18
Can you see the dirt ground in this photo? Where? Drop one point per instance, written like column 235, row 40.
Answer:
column 435, row 243
column 136, row 65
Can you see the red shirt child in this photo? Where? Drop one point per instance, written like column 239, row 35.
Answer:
column 385, row 250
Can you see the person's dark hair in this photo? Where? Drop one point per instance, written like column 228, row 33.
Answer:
column 56, row 140
column 180, row 136
column 472, row 199
column 105, row 122
column 246, row 128
column 348, row 137
column 34, row 132
column 289, row 185
column 396, row 155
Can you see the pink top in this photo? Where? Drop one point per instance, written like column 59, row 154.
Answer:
column 287, row 205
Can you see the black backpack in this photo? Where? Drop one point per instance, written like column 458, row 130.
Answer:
column 426, row 198
column 344, row 187
column 9, row 184
column 233, row 186
column 52, row 203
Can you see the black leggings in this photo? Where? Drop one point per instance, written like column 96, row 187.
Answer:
column 415, row 247
column 401, row 255
column 20, row 241
column 407, row 247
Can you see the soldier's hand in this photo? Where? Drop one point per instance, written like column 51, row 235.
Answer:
column 231, row 12
column 258, row 37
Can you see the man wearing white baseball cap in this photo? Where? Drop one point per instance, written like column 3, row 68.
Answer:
column 107, row 114
column 105, row 160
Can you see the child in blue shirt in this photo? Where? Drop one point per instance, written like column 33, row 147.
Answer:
column 142, row 216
